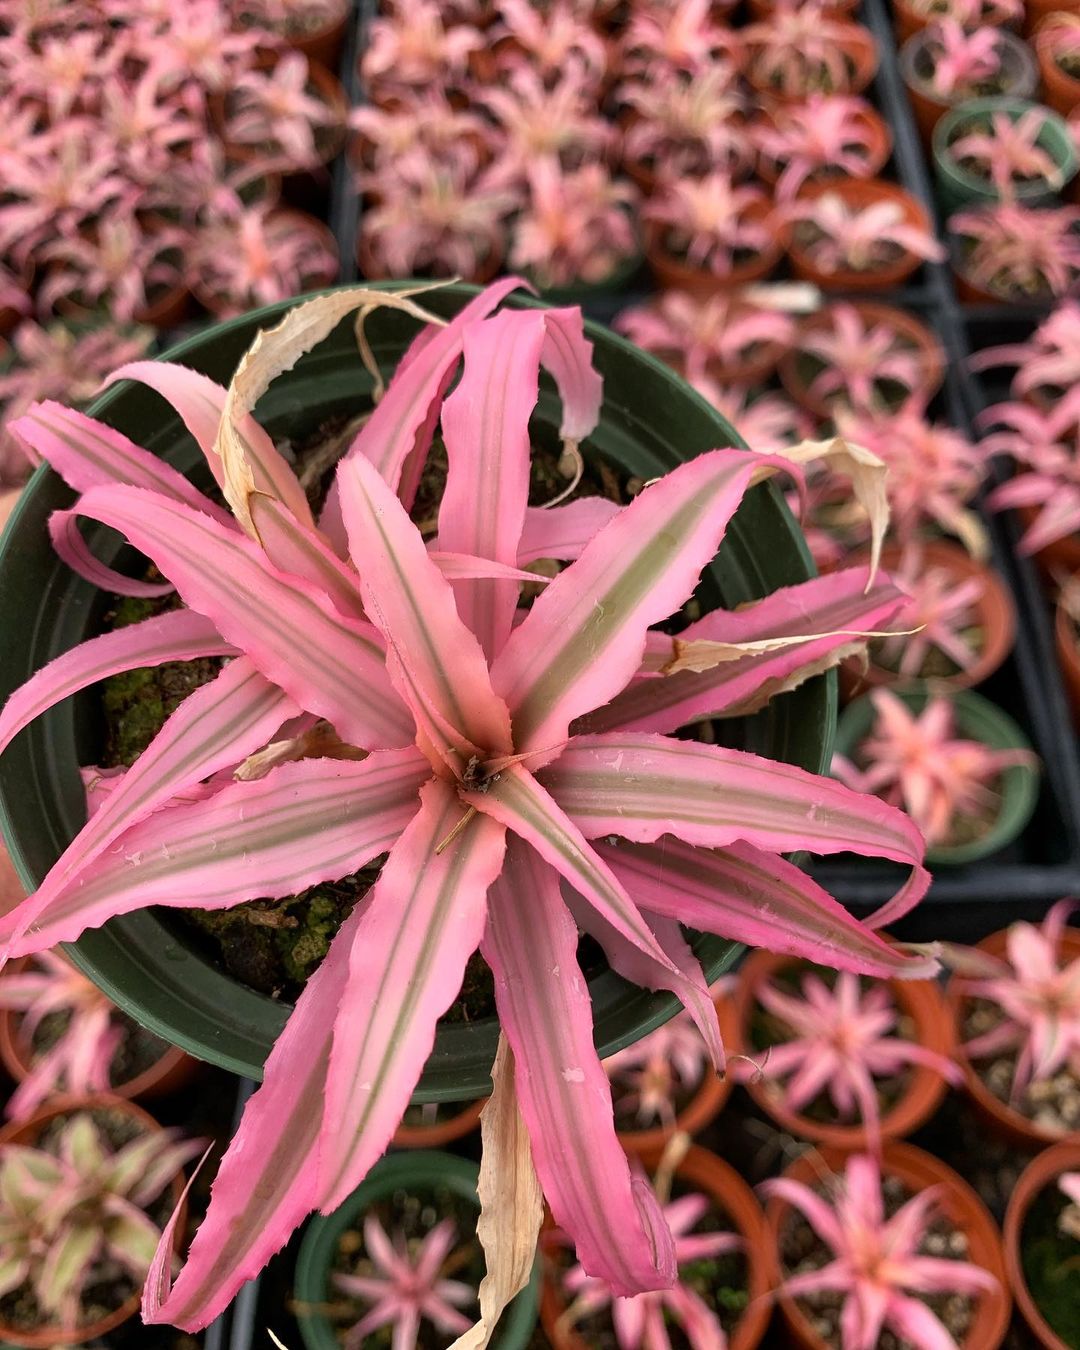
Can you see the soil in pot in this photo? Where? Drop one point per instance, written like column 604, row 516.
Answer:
column 1059, row 69
column 860, row 54
column 1050, row 1260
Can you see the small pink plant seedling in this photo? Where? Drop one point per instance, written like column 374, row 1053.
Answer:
column 76, row 1215
column 650, row 1073
column 942, row 612
column 412, row 46
column 535, row 120
column 767, row 422
column 642, row 1323
column 680, row 127
column 1045, row 445
column 256, row 255
column 840, row 1042
column 878, row 1268
column 1016, row 251
column 799, row 50
column 712, row 222
column 551, row 38
column 406, row 1286
column 427, row 122
column 576, row 227
column 916, row 761
column 843, row 238
column 276, row 111
column 1048, row 363
column 861, row 359
column 680, row 37
column 830, row 132
column 1007, row 152
column 972, row 14
column 960, row 60
column 78, row 1063
column 1036, row 991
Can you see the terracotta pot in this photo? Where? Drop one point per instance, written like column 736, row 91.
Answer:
column 1068, row 652
column 1018, row 79
column 908, row 19
column 995, row 615
column 443, row 1132
column 859, row 193
column 880, row 148
column 763, row 10
column 857, row 44
column 1062, row 555
column 1035, row 11
column 221, row 305
column 324, row 44
column 165, row 1075
column 928, row 348
column 715, row 1178
column 672, row 273
column 1009, row 1124
column 1041, row 1172
column 917, row 1171
column 701, row 1110
column 1060, row 90
column 920, row 1000
column 28, row 1132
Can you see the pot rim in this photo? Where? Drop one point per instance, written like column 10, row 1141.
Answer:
column 1041, row 1172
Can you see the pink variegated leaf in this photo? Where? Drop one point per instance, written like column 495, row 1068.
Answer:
column 564, row 1094
column 86, row 453
column 300, row 550
column 304, row 823
column 563, row 531
column 485, row 424
column 267, row 1182
column 215, row 726
column 408, row 958
column 463, row 567
column 434, row 660
column 567, row 356
column 176, row 636
column 835, row 605
column 337, row 671
column 71, row 548
column 749, row 896
column 583, row 639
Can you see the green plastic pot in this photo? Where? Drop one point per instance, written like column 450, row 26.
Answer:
column 651, row 422
column 413, row 1173
column 977, row 719
column 958, row 188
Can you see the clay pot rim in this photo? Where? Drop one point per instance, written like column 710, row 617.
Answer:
column 691, row 277
column 912, row 48
column 736, row 1198
column 920, row 1000
column 1040, row 1173
column 455, row 1127
column 858, row 43
column 874, row 311
column 961, row 1205
column 21, row 1131
column 861, row 192
column 1012, row 1123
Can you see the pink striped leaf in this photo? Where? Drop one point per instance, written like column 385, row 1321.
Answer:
column 641, row 786
column 463, row 566
column 267, row 1182
column 302, row 551
column 215, row 726
column 834, row 606
column 437, row 665
column 563, row 1091
column 332, row 665
column 583, row 639
column 179, row 635
column 304, row 823
column 516, row 800
column 567, row 355
column 758, row 898
column 485, row 424
column 563, row 531
column 71, row 548
column 406, row 966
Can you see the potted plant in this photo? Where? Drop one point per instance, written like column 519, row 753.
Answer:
column 944, row 64
column 837, row 1060
column 865, row 1247
column 316, row 28
column 800, row 49
column 709, row 234
column 551, row 39
column 1018, row 1020
column 414, row 45
column 436, row 1124
column 1005, row 252
column 771, row 422
column 1047, row 364
column 725, row 1272
column 59, row 1035
column 960, row 766
column 912, row 15
column 352, row 805
column 685, row 37
column 993, row 149
column 826, row 136
column 89, row 1185
column 861, row 354
column 1067, row 639
column 400, row 1252
column 1057, row 46
column 1042, row 1245
column 858, row 235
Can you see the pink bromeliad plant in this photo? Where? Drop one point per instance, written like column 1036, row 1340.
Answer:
column 677, row 126
column 1048, row 363
column 768, row 422
column 960, row 60
column 711, row 222
column 1045, row 447
column 864, row 363
column 679, row 36
column 1006, row 151
column 918, row 762
column 836, row 133
column 878, row 1267
column 535, row 120
column 942, row 612
column 552, row 38
column 506, row 752
column 279, row 112
column 843, row 238
column 837, row 1041
column 649, row 1074
column 798, row 50
column 412, row 46
column 575, row 227
column 1019, row 252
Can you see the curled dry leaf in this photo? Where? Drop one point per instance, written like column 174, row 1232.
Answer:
column 702, row 655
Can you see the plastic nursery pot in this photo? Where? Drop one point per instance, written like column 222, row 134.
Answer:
column 857, row 44
column 1005, row 1121
column 705, row 1172
column 1059, row 89
column 959, row 187
column 671, row 272
column 702, row 1108
column 977, row 719
column 995, row 617
column 651, row 421
column 909, row 18
column 441, row 1132
column 879, row 149
column 1068, row 653
column 418, row 1173
column 165, row 1075
column 916, row 1171
column 28, row 1132
column 797, row 380
column 1017, row 79
column 923, row 1090
column 1042, row 1172
column 221, row 303
column 858, row 194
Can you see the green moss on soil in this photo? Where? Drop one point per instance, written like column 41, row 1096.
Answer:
column 1051, row 1262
